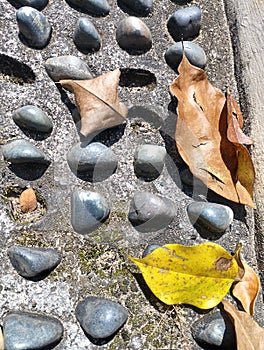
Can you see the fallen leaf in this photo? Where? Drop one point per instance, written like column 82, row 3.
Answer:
column 28, row 200
column 249, row 334
column 199, row 275
column 208, row 135
column 1, row 340
column 97, row 101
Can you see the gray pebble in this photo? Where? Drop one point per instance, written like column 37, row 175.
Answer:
column 88, row 211
column 211, row 216
column 34, row 27
column 86, row 37
column 149, row 212
column 33, row 263
column 213, row 331
column 37, row 4
column 32, row 118
column 21, row 151
column 149, row 249
column 133, row 35
column 94, row 161
column 185, row 24
column 140, row 7
column 149, row 160
column 193, row 52
column 67, row 67
column 26, row 330
column 94, row 7
column 100, row 318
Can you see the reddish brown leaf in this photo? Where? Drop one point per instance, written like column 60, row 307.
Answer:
column 97, row 101
column 204, row 118
column 28, row 200
column 249, row 335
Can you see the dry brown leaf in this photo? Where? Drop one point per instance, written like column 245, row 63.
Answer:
column 249, row 335
column 97, row 101
column 204, row 118
column 28, row 200
column 2, row 346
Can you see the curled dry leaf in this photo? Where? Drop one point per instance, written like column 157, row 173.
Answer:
column 199, row 275
column 28, row 200
column 97, row 101
column 249, row 335
column 1, row 340
column 209, row 136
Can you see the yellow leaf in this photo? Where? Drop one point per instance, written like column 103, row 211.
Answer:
column 198, row 275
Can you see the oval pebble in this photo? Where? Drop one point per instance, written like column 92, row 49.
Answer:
column 133, row 35
column 34, row 27
column 33, row 263
column 185, row 24
column 88, row 211
column 32, row 118
column 100, row 318
column 211, row 216
column 21, row 151
column 149, row 160
column 26, row 330
column 37, row 4
column 86, row 37
column 212, row 330
column 67, row 67
column 140, row 7
column 95, row 7
column 193, row 52
column 149, row 212
column 94, row 161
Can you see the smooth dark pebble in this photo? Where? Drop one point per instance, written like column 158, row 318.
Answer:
column 32, row 118
column 26, row 330
column 133, row 35
column 211, row 216
column 88, row 211
column 86, row 37
column 21, row 151
column 33, row 27
column 185, row 24
column 149, row 160
column 95, row 7
column 193, row 52
column 94, row 160
column 99, row 317
column 67, row 67
column 149, row 212
column 140, row 7
column 149, row 249
column 214, row 331
column 33, row 262
column 37, row 4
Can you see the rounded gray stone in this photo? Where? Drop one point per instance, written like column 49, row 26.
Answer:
column 21, row 151
column 86, row 37
column 31, row 262
column 34, row 27
column 140, row 7
column 185, row 24
column 28, row 331
column 88, row 211
column 149, row 212
column 149, row 160
column 67, row 67
column 32, row 118
column 211, row 216
column 95, row 7
column 133, row 35
column 193, row 52
column 37, row 4
column 100, row 318
column 94, row 161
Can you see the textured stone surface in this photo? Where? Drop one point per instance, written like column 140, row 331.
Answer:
column 33, row 262
column 37, row 4
column 140, row 7
column 86, row 37
column 32, row 118
column 100, row 318
column 95, row 7
column 24, row 331
column 34, row 27
column 193, row 52
column 88, row 211
column 67, row 67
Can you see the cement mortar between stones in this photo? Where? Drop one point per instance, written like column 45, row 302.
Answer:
column 97, row 264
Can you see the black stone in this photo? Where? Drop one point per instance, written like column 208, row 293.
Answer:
column 37, row 4
column 94, row 7
column 86, row 37
column 140, row 7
